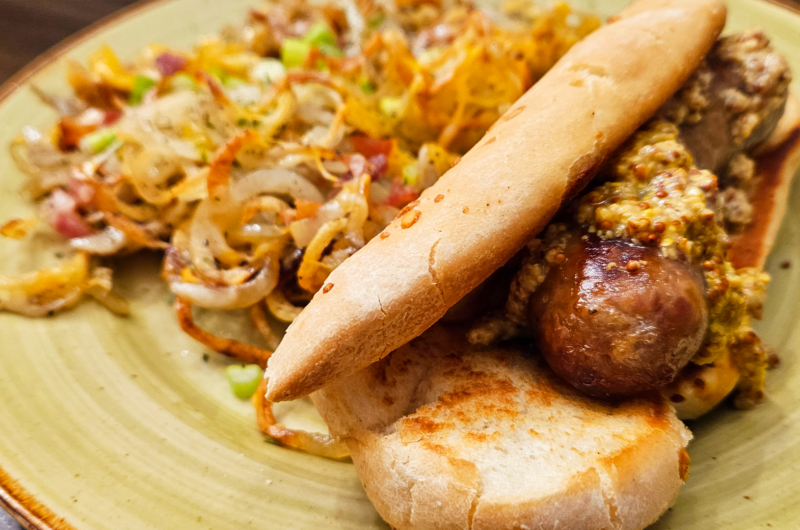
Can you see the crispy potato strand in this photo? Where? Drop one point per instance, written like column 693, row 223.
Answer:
column 259, row 317
column 220, row 168
column 230, row 347
column 309, row 442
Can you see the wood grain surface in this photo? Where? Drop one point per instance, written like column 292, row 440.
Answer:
column 29, row 27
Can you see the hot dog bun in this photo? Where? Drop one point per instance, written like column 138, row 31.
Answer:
column 444, row 435
column 481, row 212
column 698, row 389
column 777, row 162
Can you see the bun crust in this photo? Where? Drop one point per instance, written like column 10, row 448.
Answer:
column 447, row 436
column 504, row 191
column 777, row 162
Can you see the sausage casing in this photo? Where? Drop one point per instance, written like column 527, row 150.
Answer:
column 617, row 319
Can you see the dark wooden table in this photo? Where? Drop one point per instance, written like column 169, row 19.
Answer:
column 29, row 27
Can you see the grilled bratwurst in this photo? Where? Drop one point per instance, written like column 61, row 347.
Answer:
column 635, row 282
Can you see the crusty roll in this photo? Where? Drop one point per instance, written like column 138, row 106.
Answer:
column 777, row 162
column 447, row 436
column 481, row 212
column 698, row 389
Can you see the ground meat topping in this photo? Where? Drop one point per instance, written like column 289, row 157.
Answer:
column 740, row 172
column 688, row 104
column 737, row 212
column 765, row 75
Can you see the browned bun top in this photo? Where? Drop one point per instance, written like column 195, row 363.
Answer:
column 447, row 435
column 506, row 189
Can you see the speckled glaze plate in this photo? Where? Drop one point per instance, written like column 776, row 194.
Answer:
column 119, row 423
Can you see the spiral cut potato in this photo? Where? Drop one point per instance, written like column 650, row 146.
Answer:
column 314, row 443
column 264, row 157
column 46, row 291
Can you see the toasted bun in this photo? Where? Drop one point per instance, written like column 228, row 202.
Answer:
column 481, row 212
column 444, row 435
column 698, row 389
column 777, row 163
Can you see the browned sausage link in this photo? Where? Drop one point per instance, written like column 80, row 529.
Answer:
column 618, row 319
column 732, row 102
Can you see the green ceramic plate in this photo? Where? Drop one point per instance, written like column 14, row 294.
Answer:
column 118, row 423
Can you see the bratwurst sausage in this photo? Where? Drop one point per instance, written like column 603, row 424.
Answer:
column 618, row 319
column 624, row 330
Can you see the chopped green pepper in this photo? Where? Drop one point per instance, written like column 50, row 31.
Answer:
column 244, row 380
column 320, row 34
column 98, row 141
column 182, row 81
column 220, row 74
column 294, row 52
column 331, row 50
column 233, row 81
column 368, row 88
column 376, row 20
column 141, row 84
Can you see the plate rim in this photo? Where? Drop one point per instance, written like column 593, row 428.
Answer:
column 14, row 498
column 791, row 5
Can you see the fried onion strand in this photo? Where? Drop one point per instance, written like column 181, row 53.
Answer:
column 310, row 442
column 232, row 348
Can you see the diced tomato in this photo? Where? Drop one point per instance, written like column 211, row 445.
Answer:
column 112, row 115
column 370, row 147
column 380, row 165
column 400, row 194
column 63, row 216
column 80, row 191
column 70, row 224
column 73, row 128
column 169, row 63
